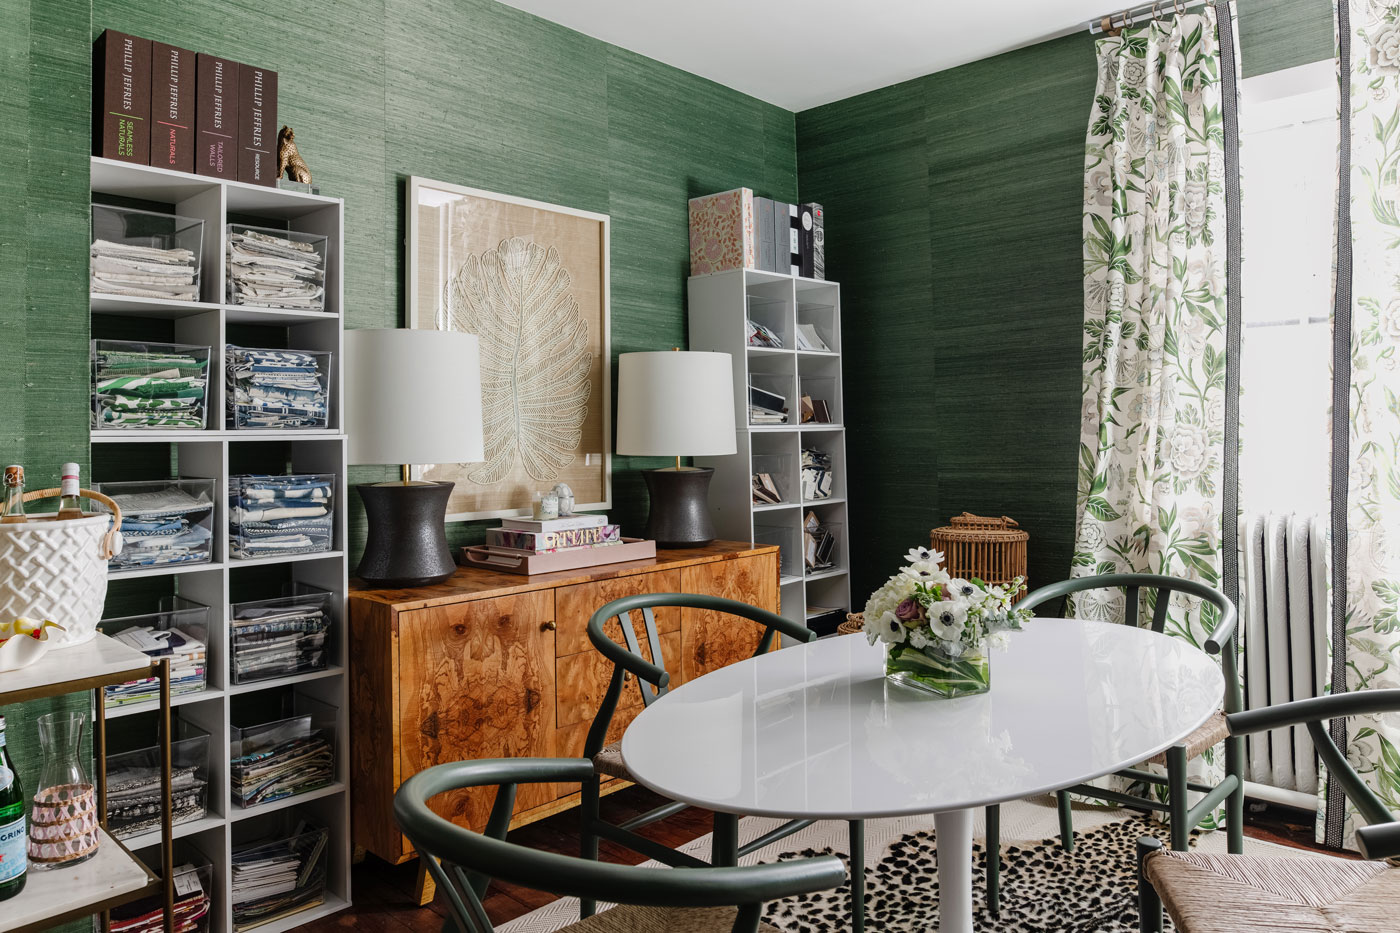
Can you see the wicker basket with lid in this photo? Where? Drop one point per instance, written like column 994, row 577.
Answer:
column 991, row 549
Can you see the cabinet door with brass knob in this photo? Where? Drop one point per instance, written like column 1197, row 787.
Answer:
column 477, row 681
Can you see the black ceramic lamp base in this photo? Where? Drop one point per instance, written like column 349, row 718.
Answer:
column 680, row 507
column 407, row 541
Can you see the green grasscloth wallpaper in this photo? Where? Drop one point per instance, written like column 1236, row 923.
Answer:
column 953, row 223
column 465, row 91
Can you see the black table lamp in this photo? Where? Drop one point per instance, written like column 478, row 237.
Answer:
column 676, row 404
column 411, row 396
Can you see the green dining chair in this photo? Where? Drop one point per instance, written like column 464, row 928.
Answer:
column 1181, row 817
column 653, row 681
column 1206, row 893
column 694, row 900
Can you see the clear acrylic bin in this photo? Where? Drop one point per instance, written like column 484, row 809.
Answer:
column 276, row 390
column 156, row 386
column 273, row 516
column 133, row 784
column 194, row 889
column 164, row 522
column 145, row 254
column 277, row 637
column 786, row 538
column 291, row 755
column 821, row 546
column 271, row 268
column 294, row 847
column 779, row 470
column 179, row 631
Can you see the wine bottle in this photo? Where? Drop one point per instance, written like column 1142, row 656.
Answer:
column 14, row 496
column 13, row 860
column 70, row 504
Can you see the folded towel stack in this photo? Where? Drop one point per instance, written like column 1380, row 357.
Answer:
column 276, row 389
column 276, row 515
column 144, row 271
column 139, row 385
column 269, row 271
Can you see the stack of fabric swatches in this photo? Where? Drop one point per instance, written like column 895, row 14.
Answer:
column 162, row 527
column 137, row 385
column 144, row 271
column 269, row 271
column 187, row 656
column 272, row 516
column 276, row 389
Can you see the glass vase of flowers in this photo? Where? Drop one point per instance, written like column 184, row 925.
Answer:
column 939, row 630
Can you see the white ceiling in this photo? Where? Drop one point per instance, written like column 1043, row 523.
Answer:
column 802, row 53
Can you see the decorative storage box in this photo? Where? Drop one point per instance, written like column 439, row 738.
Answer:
column 277, row 637
column 722, row 232
column 271, row 390
column 296, row 850
column 164, row 522
column 284, row 757
column 159, row 386
column 194, row 885
column 133, row 783
column 991, row 549
column 271, row 516
column 144, row 254
column 270, row 268
column 785, row 537
column 179, row 631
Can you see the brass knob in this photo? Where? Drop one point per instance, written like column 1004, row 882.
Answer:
column 627, row 677
column 549, row 626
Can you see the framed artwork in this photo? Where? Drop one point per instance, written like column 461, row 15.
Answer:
column 531, row 281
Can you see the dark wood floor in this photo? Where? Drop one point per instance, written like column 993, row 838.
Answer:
column 383, row 893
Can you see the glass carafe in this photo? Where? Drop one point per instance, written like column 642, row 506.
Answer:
column 63, row 817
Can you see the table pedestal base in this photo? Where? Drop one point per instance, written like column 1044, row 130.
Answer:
column 953, row 840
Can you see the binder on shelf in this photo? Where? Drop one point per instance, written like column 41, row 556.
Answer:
column 794, row 240
column 121, row 97
column 763, row 234
column 257, row 125
column 804, row 239
column 172, row 107
column 216, row 117
column 781, row 237
column 818, row 240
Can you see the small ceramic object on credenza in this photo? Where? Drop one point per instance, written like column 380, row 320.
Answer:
column 566, row 499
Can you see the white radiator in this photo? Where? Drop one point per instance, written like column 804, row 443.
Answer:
column 1283, row 595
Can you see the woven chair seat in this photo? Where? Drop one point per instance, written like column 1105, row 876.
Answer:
column 628, row 919
column 1210, row 734
column 1246, row 893
column 609, row 762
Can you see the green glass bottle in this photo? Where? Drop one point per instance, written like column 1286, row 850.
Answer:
column 13, row 860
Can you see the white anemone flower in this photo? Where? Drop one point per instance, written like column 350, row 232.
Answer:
column 891, row 629
column 959, row 588
column 918, row 555
column 947, row 619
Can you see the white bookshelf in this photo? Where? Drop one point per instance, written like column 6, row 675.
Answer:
column 719, row 306
column 216, row 453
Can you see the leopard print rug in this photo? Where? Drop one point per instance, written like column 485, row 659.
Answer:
column 1044, row 889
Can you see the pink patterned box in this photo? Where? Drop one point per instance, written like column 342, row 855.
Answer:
column 721, row 232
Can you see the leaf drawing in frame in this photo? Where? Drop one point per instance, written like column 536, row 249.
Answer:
column 535, row 363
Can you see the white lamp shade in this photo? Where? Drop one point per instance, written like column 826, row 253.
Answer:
column 675, row 404
column 413, row 396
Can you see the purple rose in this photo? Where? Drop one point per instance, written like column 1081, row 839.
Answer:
column 909, row 610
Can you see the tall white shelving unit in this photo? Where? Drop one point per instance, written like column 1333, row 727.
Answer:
column 720, row 305
column 216, row 453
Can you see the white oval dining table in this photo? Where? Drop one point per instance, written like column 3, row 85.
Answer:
column 815, row 731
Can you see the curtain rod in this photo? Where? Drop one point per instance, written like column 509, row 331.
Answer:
column 1134, row 15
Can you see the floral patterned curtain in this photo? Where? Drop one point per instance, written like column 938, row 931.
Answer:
column 1366, row 648
column 1152, row 434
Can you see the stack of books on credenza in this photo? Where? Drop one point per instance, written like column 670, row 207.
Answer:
column 528, row 546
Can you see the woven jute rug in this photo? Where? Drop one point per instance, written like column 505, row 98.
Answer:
column 1044, row 889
